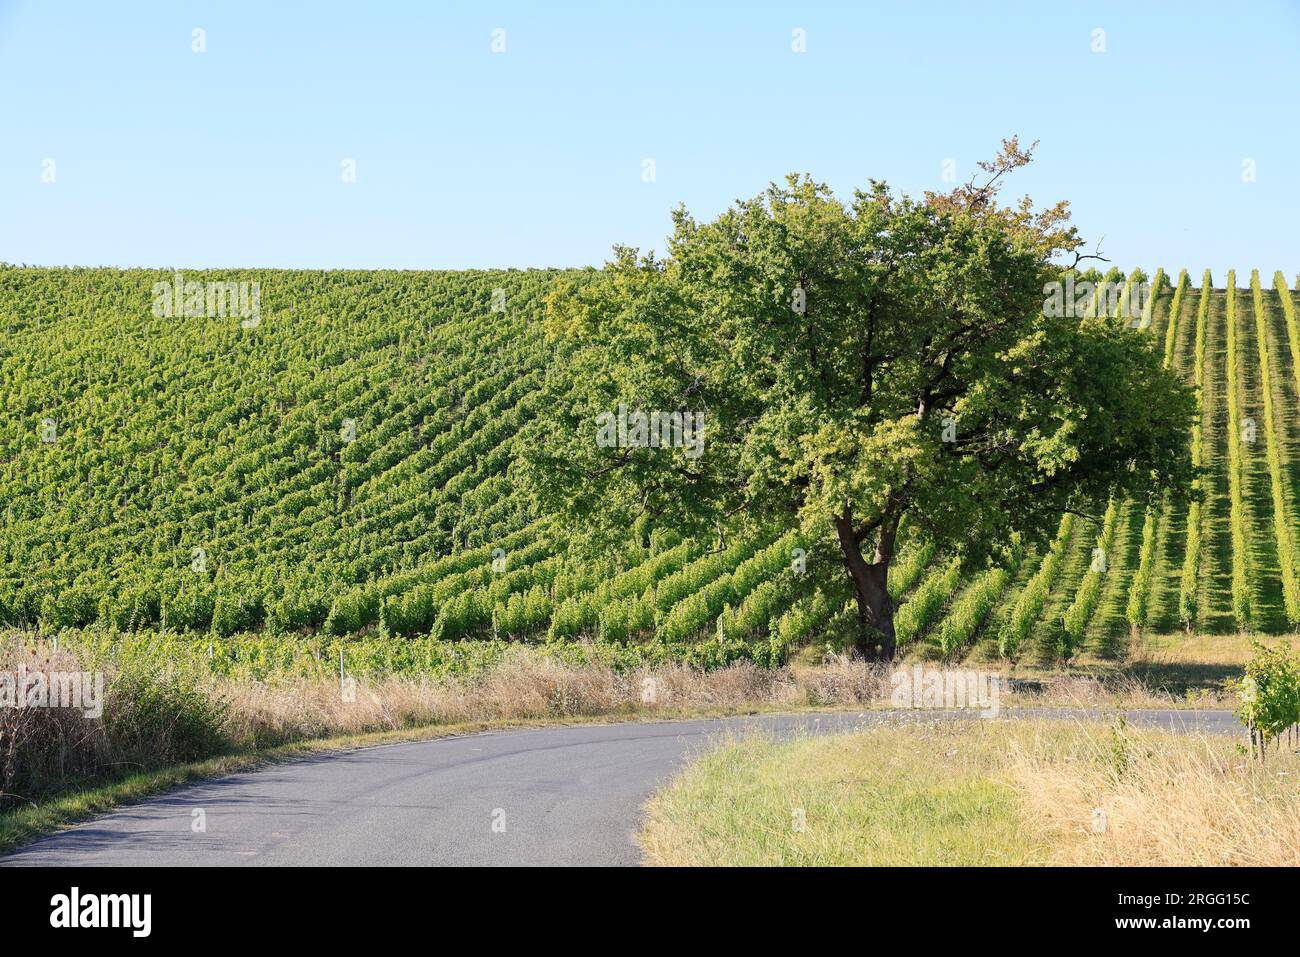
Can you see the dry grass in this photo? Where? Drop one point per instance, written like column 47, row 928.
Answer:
column 1158, row 800
column 913, row 795
column 1114, row 691
column 982, row 787
column 149, row 718
column 165, row 714
column 1197, row 666
column 527, row 687
column 981, row 792
column 1199, row 649
column 44, row 744
column 530, row 686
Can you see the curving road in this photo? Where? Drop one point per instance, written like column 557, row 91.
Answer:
column 554, row 795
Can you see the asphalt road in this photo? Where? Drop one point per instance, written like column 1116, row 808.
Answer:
column 555, row 795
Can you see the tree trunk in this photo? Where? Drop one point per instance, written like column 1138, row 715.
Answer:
column 875, row 639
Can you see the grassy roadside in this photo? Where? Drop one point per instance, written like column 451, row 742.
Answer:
column 260, row 722
column 25, row 823
column 980, row 793
column 891, row 796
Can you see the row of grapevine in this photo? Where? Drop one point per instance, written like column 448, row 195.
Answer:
column 1029, row 603
column 811, row 614
column 1282, row 528
column 1139, row 594
column 1190, row 579
column 1088, row 592
column 970, row 610
column 1293, row 341
column 1149, row 306
column 1081, row 609
column 908, row 568
column 923, row 605
column 1292, row 324
column 1236, row 472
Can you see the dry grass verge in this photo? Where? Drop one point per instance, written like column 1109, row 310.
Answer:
column 985, row 792
column 530, row 686
column 1122, row 798
column 913, row 795
column 156, row 715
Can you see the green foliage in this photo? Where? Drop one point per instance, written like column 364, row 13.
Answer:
column 858, row 360
column 970, row 610
column 1139, row 593
column 703, row 606
column 905, row 573
column 1236, row 469
column 1029, row 603
column 1282, row 531
column 161, row 716
column 1135, row 611
column 923, row 606
column 155, row 713
column 1080, row 612
column 1158, row 282
column 807, row 616
column 1270, row 691
column 1175, row 308
column 1292, row 326
column 1190, row 580
column 177, row 434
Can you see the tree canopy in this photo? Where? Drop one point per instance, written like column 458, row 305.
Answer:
column 854, row 362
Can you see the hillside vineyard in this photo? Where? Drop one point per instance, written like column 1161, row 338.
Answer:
column 267, row 465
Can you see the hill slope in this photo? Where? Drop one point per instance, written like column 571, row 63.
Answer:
column 335, row 459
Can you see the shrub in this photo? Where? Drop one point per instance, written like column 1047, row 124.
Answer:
column 1270, row 694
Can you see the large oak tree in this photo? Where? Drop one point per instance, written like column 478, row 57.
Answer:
column 856, row 362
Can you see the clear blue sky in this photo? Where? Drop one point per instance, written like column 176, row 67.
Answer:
column 534, row 157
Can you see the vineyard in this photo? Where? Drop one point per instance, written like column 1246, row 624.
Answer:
column 335, row 474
